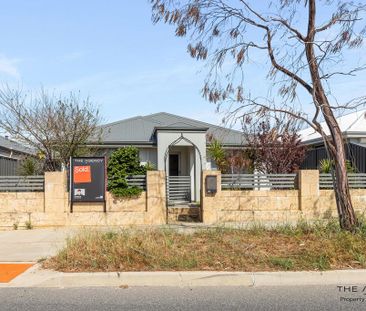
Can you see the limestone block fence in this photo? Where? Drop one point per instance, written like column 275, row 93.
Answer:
column 306, row 202
column 51, row 208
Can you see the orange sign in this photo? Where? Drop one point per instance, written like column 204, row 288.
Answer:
column 82, row 174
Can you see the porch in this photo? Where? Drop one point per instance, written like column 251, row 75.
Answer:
column 181, row 153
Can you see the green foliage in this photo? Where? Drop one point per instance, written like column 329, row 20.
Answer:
column 250, row 154
column 326, row 166
column 321, row 262
column 110, row 235
column 361, row 224
column 122, row 163
column 28, row 225
column 283, row 263
column 350, row 168
column 217, row 153
column 30, row 166
column 150, row 166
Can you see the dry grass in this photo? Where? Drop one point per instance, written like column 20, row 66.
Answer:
column 317, row 247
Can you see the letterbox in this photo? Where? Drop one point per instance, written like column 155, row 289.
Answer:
column 211, row 184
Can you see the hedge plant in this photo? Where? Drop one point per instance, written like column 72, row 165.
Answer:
column 122, row 163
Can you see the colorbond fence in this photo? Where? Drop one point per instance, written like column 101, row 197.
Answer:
column 258, row 181
column 21, row 183
column 8, row 166
column 137, row 181
column 354, row 153
column 355, row 180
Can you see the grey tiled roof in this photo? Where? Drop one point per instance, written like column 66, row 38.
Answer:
column 141, row 129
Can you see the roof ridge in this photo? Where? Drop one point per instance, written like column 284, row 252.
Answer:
column 182, row 122
column 202, row 122
column 142, row 128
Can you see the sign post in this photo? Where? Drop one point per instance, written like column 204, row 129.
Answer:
column 87, row 180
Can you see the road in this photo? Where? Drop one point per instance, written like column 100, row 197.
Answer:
column 171, row 298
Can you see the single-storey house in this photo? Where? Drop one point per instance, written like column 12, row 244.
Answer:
column 172, row 143
column 353, row 127
column 12, row 149
column 10, row 154
column 178, row 146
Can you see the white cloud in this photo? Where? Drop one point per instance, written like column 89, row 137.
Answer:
column 9, row 66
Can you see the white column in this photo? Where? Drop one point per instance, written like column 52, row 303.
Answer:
column 191, row 171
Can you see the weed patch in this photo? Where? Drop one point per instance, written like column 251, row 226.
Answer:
column 283, row 263
column 321, row 246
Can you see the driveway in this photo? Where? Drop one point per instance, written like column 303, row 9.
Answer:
column 31, row 245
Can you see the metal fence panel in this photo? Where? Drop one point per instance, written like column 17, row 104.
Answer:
column 178, row 189
column 258, row 181
column 357, row 155
column 138, row 181
column 355, row 181
column 8, row 166
column 21, row 183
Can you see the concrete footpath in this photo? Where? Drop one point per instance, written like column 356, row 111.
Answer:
column 36, row 277
column 31, row 245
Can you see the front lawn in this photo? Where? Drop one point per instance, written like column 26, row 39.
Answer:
column 304, row 247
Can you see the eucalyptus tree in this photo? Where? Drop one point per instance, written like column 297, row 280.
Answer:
column 304, row 52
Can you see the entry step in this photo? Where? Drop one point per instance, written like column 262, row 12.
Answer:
column 186, row 213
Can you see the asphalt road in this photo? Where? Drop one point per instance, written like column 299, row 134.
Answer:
column 168, row 298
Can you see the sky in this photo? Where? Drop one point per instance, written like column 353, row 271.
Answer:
column 111, row 52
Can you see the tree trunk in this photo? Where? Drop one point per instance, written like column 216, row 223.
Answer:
column 347, row 218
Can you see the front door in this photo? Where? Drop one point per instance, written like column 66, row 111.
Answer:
column 173, row 165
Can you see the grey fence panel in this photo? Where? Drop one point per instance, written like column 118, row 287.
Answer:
column 355, row 181
column 357, row 155
column 137, row 181
column 178, row 189
column 21, row 183
column 258, row 181
column 8, row 166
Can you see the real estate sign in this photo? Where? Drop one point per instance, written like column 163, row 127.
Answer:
column 87, row 179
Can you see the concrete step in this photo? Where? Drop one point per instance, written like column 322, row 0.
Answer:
column 184, row 213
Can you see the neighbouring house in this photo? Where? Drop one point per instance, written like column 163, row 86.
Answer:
column 353, row 127
column 11, row 152
column 171, row 143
